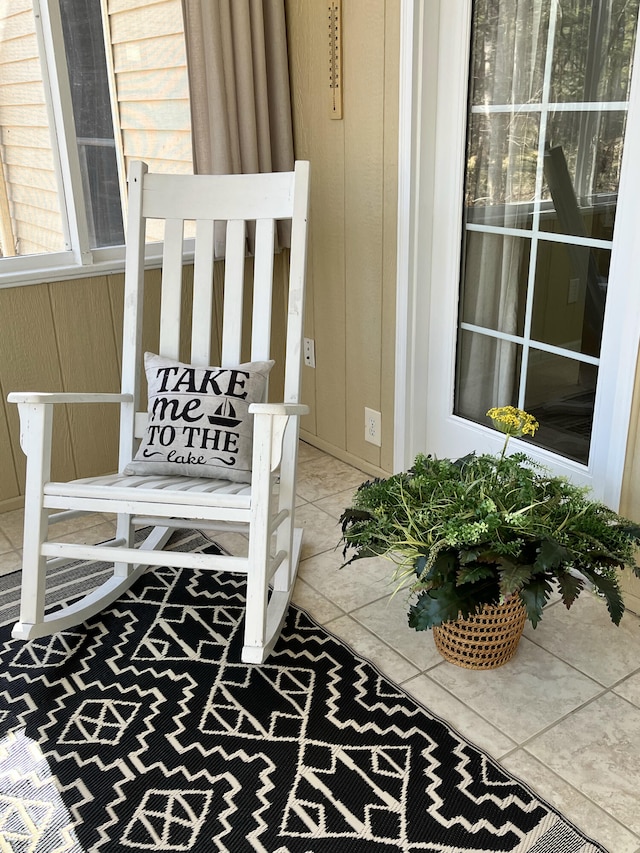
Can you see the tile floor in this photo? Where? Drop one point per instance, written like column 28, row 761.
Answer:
column 563, row 715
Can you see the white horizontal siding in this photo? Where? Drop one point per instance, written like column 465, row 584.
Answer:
column 149, row 67
column 27, row 159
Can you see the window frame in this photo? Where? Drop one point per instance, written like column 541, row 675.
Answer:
column 77, row 259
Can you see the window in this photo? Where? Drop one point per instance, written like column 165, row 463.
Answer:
column 89, row 89
column 82, row 92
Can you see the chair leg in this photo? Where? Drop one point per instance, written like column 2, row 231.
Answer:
column 255, row 629
column 265, row 614
column 34, row 570
column 125, row 533
column 37, row 424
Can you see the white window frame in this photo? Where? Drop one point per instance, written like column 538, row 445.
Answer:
column 78, row 259
column 435, row 38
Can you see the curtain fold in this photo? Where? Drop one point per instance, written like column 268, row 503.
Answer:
column 240, row 97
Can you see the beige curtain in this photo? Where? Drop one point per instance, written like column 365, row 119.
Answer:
column 239, row 87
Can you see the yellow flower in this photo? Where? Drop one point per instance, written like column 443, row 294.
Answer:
column 512, row 421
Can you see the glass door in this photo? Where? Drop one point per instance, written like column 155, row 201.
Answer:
column 518, row 236
column 548, row 100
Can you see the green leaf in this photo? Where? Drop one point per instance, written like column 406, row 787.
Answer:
column 434, row 607
column 419, row 564
column 570, row 587
column 630, row 529
column 611, row 590
column 448, row 603
column 467, row 556
column 551, row 555
column 472, row 574
column 444, row 568
column 513, row 576
column 534, row 596
column 351, row 515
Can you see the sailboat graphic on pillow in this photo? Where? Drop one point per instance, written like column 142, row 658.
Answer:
column 225, row 416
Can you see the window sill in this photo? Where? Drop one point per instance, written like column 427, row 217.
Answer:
column 23, row 271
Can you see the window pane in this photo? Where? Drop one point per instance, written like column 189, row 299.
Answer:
column 84, row 49
column 487, row 369
column 593, row 50
column 30, row 217
column 569, row 296
column 507, row 65
column 494, row 287
column 560, row 395
column 501, row 169
column 582, row 164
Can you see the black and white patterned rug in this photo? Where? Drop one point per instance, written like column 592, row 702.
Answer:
column 143, row 731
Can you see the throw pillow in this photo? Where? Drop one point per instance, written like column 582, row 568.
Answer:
column 198, row 423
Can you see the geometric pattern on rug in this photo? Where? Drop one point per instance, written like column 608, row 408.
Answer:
column 143, row 731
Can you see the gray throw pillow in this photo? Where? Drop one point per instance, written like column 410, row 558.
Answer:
column 198, row 423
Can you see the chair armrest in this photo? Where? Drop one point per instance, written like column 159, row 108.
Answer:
column 66, row 397
column 287, row 409
column 269, row 430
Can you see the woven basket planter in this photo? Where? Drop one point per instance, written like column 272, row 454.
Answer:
column 486, row 640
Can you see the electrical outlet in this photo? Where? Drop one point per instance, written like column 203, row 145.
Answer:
column 309, row 352
column 372, row 426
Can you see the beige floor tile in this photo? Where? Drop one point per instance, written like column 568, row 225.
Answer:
column 11, row 524
column 326, row 476
column 307, row 452
column 524, row 696
column 316, row 604
column 336, row 504
column 5, row 545
column 321, row 532
column 585, row 637
column 91, row 535
column 570, row 802
column 630, row 689
column 597, row 750
column 11, row 527
column 73, row 525
column 387, row 618
column 11, row 561
column 235, row 543
column 349, row 588
column 462, row 718
column 371, row 647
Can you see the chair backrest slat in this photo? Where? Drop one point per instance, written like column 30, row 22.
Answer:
column 203, row 293
column 171, row 300
column 262, row 290
column 233, row 293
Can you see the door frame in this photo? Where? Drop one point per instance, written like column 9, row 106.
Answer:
column 434, row 53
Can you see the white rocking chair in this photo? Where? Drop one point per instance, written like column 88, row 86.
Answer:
column 263, row 507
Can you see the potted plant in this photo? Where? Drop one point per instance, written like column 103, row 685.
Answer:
column 486, row 537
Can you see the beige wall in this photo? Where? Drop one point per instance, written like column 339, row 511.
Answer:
column 630, row 500
column 352, row 252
